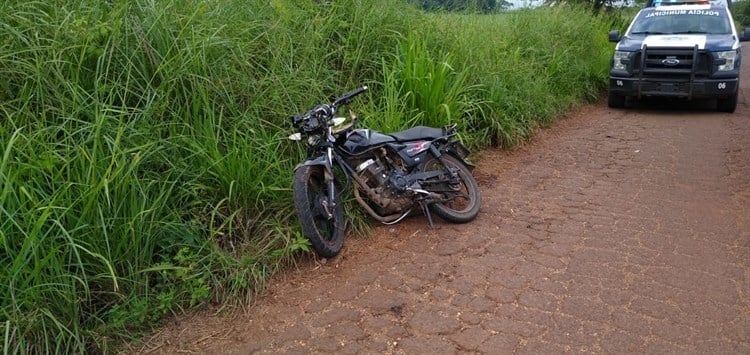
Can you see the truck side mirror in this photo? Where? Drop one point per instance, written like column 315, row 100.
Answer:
column 745, row 36
column 614, row 36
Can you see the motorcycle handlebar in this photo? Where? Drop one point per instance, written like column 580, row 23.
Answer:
column 346, row 98
column 303, row 122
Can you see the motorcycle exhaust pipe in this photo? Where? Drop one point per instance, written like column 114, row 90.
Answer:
column 382, row 219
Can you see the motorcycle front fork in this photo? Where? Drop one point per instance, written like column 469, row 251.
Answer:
column 330, row 205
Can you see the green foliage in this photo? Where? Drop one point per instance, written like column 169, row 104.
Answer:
column 144, row 168
column 741, row 13
column 599, row 5
column 516, row 80
column 461, row 5
column 432, row 89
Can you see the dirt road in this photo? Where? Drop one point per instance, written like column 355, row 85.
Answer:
column 615, row 231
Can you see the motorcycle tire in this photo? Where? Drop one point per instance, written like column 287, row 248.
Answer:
column 460, row 209
column 310, row 191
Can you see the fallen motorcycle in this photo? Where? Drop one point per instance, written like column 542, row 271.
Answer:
column 393, row 174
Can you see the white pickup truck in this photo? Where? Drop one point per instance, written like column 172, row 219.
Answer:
column 687, row 51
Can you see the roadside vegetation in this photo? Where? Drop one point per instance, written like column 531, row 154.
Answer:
column 741, row 14
column 144, row 168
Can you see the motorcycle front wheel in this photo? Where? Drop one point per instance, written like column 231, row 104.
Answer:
column 462, row 198
column 321, row 224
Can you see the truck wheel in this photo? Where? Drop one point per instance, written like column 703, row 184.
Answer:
column 727, row 104
column 616, row 101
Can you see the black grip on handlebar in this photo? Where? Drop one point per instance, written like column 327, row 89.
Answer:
column 296, row 119
column 346, row 98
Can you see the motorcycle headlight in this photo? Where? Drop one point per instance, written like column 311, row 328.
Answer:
column 730, row 57
column 619, row 60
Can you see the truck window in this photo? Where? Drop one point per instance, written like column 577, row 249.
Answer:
column 669, row 22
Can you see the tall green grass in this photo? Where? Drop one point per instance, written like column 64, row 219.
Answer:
column 527, row 66
column 144, row 168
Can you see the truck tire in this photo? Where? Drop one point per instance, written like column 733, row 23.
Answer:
column 728, row 104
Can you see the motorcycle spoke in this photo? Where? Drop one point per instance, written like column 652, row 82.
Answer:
column 455, row 194
column 318, row 195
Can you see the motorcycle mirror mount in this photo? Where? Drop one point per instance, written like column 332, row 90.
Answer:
column 354, row 117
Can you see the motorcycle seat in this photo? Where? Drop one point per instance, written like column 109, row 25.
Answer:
column 417, row 133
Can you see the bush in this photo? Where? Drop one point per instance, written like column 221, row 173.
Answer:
column 741, row 13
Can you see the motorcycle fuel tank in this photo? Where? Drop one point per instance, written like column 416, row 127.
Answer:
column 359, row 141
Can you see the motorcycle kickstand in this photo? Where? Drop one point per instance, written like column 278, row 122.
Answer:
column 427, row 213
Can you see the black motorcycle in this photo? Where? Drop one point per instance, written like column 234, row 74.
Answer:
column 393, row 174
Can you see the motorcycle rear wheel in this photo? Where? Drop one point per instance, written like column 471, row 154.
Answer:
column 465, row 198
column 310, row 194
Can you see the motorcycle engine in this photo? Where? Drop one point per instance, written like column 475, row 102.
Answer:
column 372, row 172
column 388, row 184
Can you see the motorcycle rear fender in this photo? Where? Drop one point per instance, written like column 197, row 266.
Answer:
column 458, row 150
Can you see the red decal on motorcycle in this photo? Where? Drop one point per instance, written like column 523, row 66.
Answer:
column 417, row 147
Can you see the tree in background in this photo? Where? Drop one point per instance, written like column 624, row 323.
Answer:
column 741, row 13
column 596, row 4
column 599, row 4
column 484, row 6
